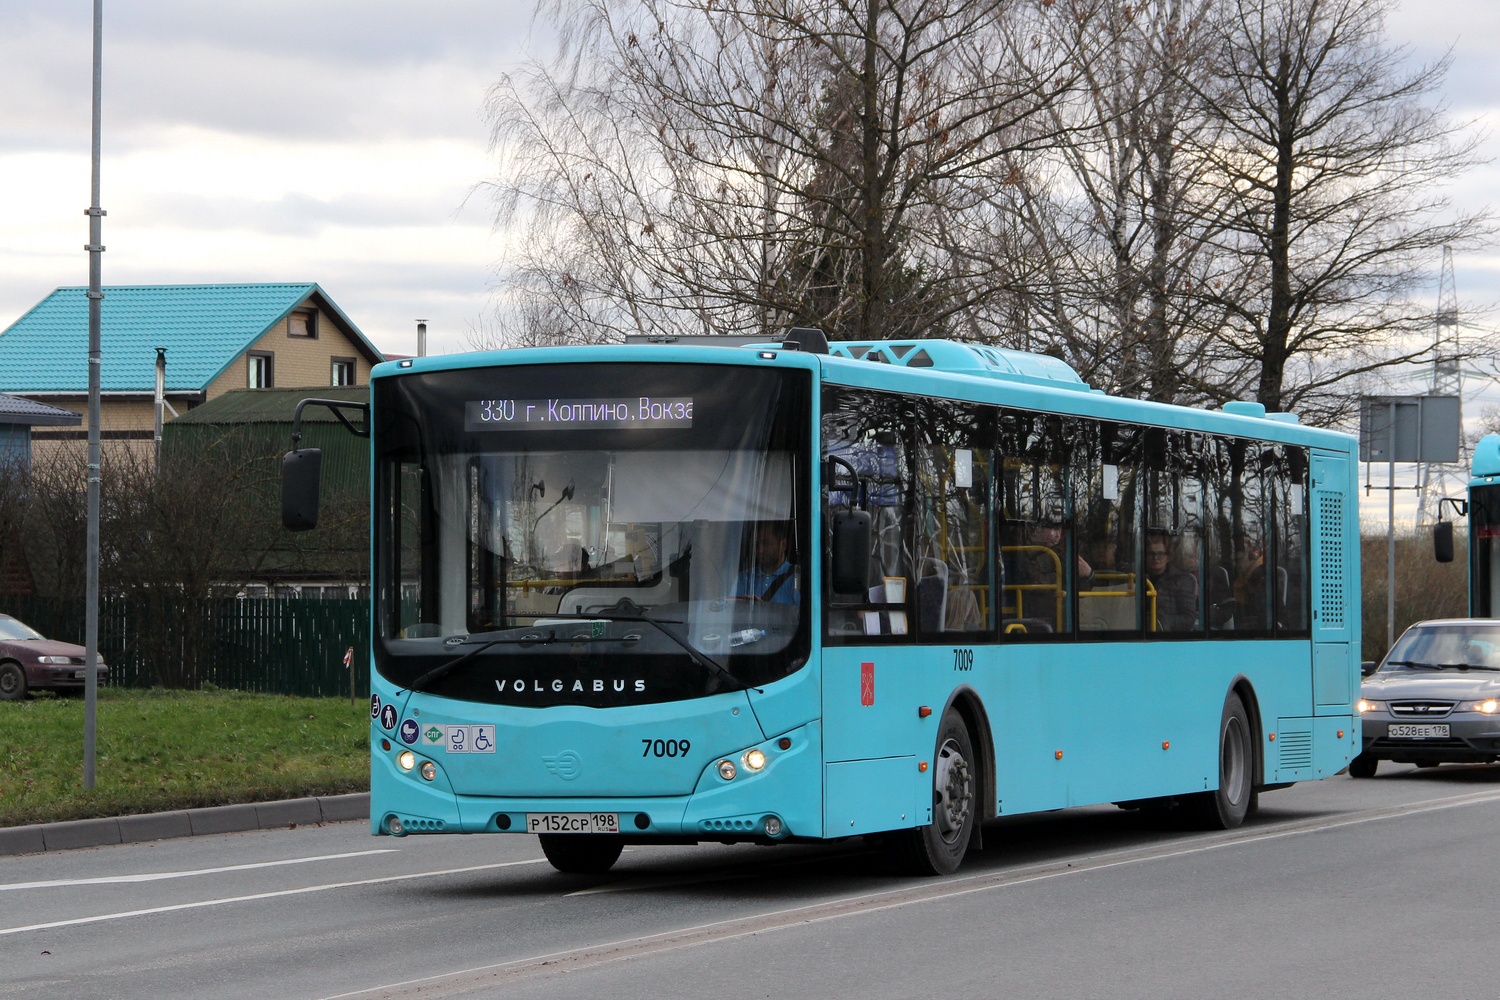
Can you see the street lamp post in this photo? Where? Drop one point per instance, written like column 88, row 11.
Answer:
column 95, row 250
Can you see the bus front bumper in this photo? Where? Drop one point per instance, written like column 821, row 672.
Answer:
column 781, row 800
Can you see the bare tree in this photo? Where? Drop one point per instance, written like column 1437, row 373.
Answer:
column 1330, row 159
column 1122, row 222
column 742, row 166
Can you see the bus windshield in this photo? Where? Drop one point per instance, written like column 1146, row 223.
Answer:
column 597, row 535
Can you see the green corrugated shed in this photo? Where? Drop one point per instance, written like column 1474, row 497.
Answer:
column 262, row 419
column 257, row 423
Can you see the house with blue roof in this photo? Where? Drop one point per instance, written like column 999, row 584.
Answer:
column 217, row 338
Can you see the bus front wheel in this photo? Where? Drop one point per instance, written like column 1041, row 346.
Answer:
column 939, row 847
column 1225, row 807
column 581, row 853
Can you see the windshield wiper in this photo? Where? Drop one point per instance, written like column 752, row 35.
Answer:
column 660, row 624
column 442, row 670
column 1439, row 666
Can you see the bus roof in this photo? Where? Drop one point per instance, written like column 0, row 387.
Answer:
column 924, row 367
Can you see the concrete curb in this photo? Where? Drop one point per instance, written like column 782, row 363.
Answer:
column 183, row 823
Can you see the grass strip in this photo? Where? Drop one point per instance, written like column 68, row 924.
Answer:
column 162, row 750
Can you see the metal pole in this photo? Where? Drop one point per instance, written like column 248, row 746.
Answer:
column 95, row 250
column 161, row 401
column 1390, row 538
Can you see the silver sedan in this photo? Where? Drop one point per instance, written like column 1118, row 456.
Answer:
column 1435, row 698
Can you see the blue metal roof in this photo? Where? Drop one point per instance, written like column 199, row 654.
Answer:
column 15, row 410
column 203, row 328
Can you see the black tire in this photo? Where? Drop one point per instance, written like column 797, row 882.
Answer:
column 1225, row 807
column 939, row 847
column 1363, row 766
column 12, row 681
column 581, row 853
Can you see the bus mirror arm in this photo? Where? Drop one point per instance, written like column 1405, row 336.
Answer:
column 850, row 482
column 302, row 468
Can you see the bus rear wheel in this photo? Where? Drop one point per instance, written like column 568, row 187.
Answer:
column 939, row 847
column 1225, row 807
column 581, row 853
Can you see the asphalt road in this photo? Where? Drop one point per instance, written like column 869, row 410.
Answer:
column 1342, row 888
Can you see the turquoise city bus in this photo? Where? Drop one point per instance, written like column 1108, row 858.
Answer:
column 793, row 592
column 1484, row 528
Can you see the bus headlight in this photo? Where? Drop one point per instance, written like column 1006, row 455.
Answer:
column 1363, row 706
column 727, row 770
column 754, row 759
column 429, row 770
column 406, row 760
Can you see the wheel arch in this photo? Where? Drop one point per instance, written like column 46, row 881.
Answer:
column 1241, row 686
column 970, row 707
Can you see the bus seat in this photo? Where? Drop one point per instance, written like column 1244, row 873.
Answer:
column 932, row 595
column 1110, row 608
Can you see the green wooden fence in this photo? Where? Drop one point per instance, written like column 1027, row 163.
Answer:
column 271, row 645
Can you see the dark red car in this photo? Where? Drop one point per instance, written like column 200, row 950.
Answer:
column 31, row 662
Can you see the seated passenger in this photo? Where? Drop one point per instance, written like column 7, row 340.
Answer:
column 773, row 578
column 1176, row 591
column 1250, row 595
column 1035, row 569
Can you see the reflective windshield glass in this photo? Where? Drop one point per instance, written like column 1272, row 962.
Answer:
column 1462, row 644
column 11, row 628
column 591, row 534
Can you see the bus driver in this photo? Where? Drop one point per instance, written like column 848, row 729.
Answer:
column 773, row 577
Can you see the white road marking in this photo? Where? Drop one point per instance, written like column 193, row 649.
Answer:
column 77, row 921
column 588, row 956
column 158, row 876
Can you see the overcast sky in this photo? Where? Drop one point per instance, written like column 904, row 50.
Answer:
column 340, row 142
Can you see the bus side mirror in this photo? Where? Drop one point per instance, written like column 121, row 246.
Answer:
column 1442, row 541
column 850, row 561
column 300, row 472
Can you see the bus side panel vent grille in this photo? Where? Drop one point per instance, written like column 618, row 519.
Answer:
column 1331, row 562
column 1296, row 749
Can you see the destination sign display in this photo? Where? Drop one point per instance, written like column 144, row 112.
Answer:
column 635, row 412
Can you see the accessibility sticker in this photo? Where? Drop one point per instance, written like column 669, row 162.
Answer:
column 409, row 731
column 374, row 706
column 388, row 716
column 470, row 739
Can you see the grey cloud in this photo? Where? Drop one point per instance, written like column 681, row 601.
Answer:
column 292, row 215
column 273, row 68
